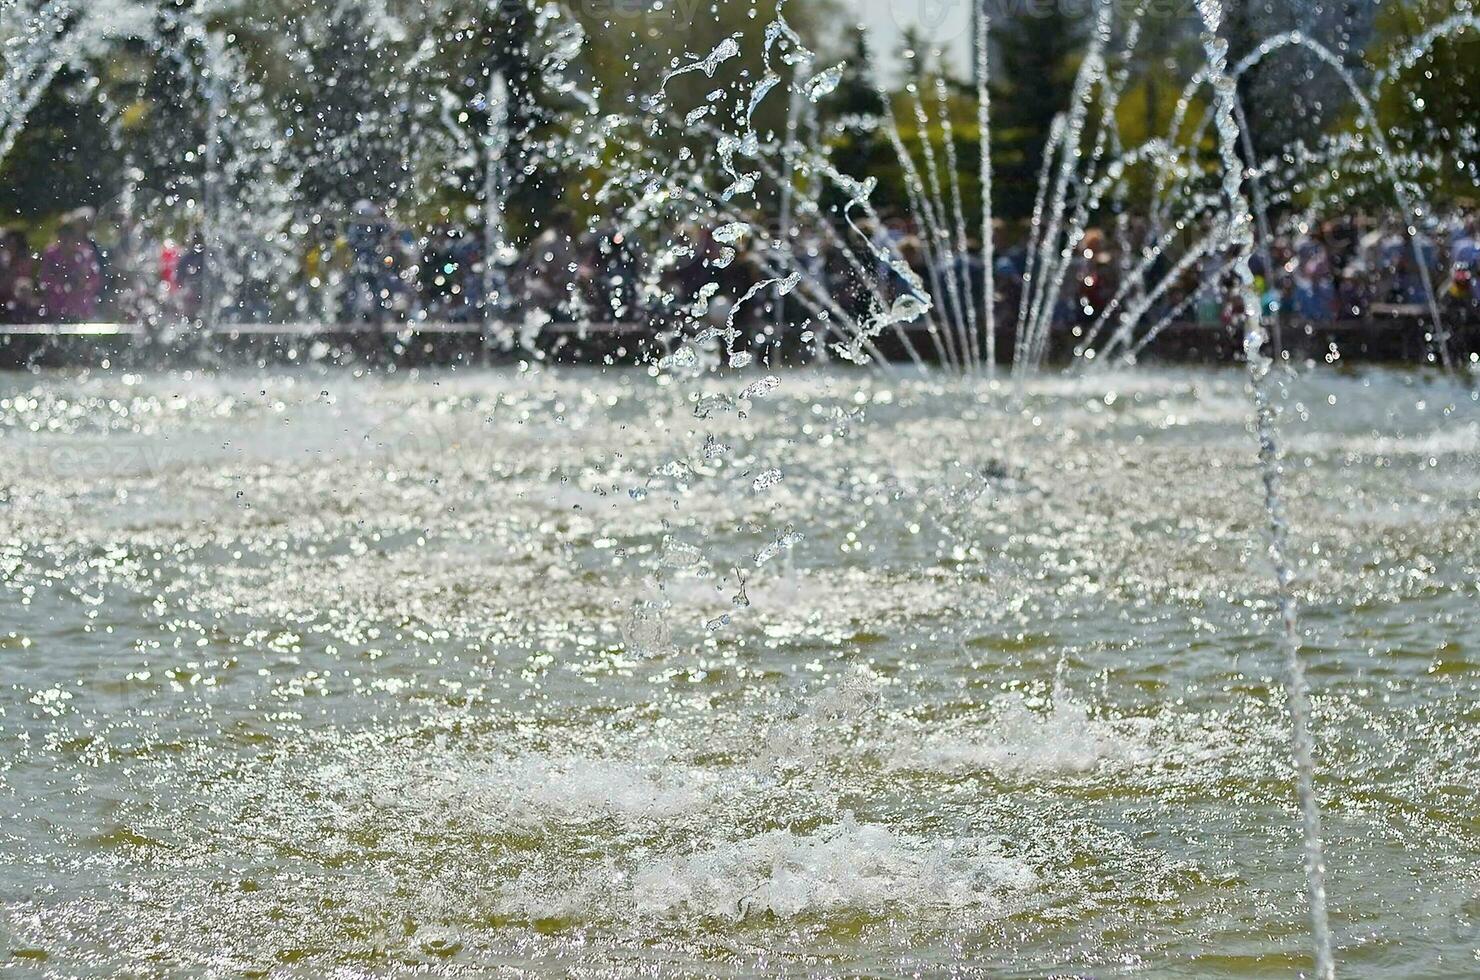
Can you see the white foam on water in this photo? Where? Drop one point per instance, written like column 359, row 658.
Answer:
column 535, row 790
column 1460, row 440
column 794, row 589
column 1128, row 381
column 1021, row 742
column 775, row 594
column 848, row 868
column 818, row 731
column 578, row 789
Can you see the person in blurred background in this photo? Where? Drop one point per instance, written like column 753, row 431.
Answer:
column 1315, row 289
column 548, row 276
column 369, row 289
column 1462, row 294
column 71, row 277
column 190, row 277
column 440, row 280
column 17, row 278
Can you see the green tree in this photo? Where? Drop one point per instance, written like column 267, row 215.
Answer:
column 1431, row 108
column 162, row 134
column 472, row 44
column 862, row 151
column 346, row 109
column 53, row 165
column 1038, row 50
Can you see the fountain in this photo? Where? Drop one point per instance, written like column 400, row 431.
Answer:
column 437, row 669
column 43, row 38
column 1270, row 462
column 495, row 187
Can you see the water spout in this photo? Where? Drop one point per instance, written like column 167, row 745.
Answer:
column 1255, row 339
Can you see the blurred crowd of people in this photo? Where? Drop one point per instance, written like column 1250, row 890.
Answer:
column 75, row 279
column 1362, row 266
column 62, row 283
column 365, row 268
column 1349, row 269
column 358, row 268
column 369, row 269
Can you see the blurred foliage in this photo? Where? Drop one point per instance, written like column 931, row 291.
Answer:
column 53, row 166
column 378, row 100
column 1433, row 107
column 1037, row 56
column 386, row 100
column 1026, row 51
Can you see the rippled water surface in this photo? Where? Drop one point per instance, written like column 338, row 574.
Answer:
column 308, row 674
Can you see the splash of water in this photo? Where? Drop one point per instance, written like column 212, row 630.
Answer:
column 1255, row 339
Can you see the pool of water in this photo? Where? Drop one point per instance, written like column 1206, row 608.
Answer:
column 343, row 674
